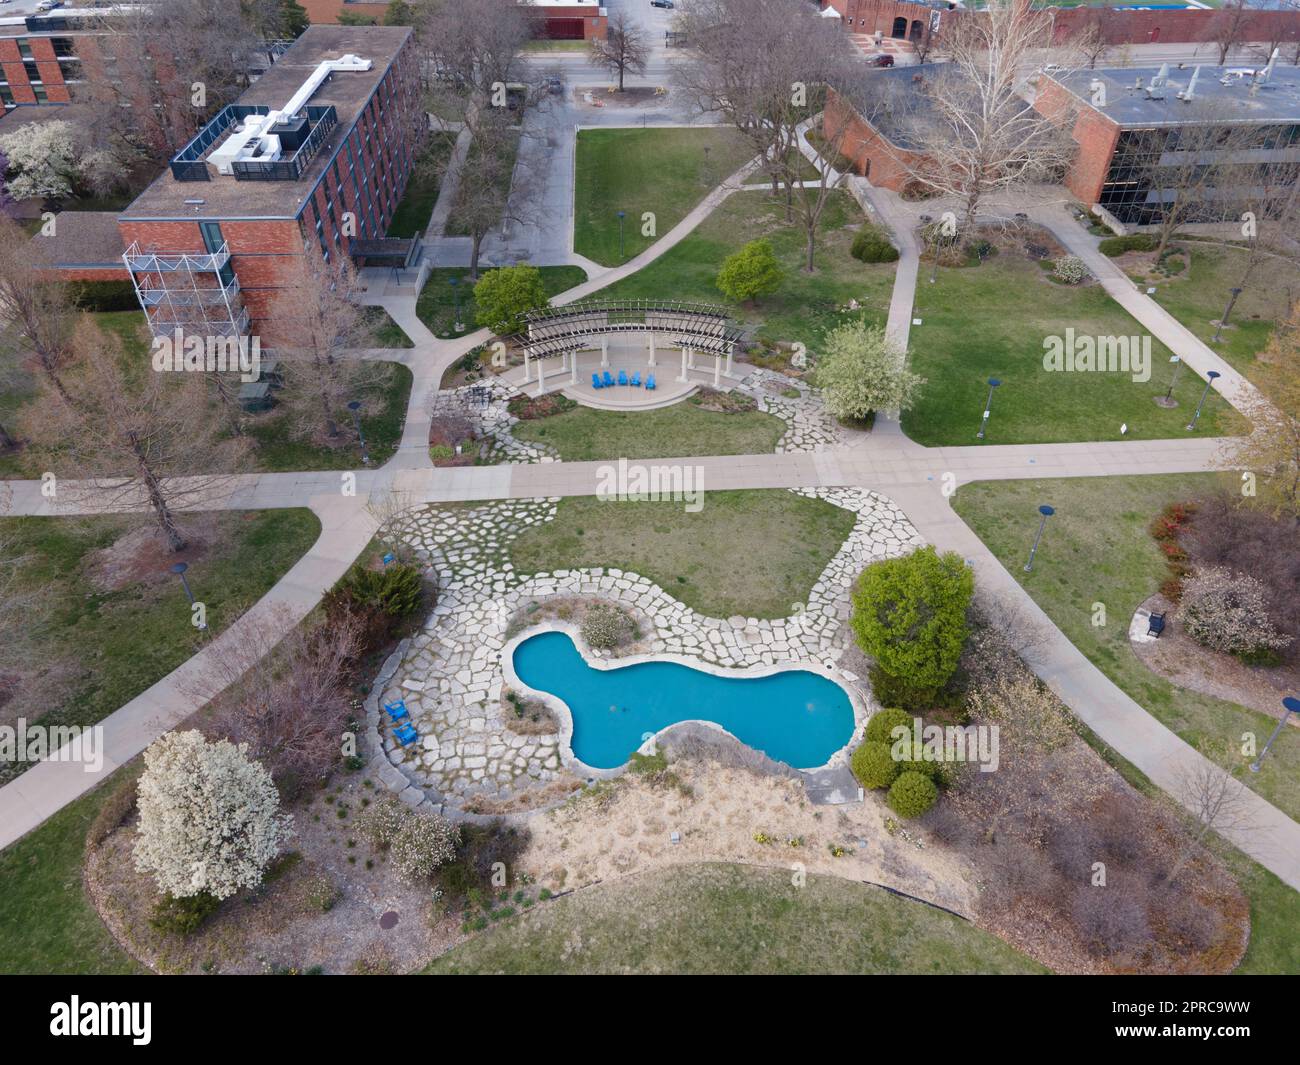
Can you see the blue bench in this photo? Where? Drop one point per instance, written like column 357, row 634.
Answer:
column 636, row 379
column 595, row 381
column 622, row 377
column 609, row 381
column 397, row 710
column 650, row 381
column 406, row 734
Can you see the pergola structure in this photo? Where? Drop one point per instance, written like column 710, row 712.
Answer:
column 562, row 332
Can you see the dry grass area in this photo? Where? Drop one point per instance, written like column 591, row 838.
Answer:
column 284, row 925
column 623, row 827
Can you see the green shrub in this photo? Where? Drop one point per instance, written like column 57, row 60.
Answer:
column 380, row 600
column 909, row 614
column 870, row 245
column 750, row 272
column 883, row 722
column 915, row 762
column 873, row 765
column 914, row 698
column 1115, row 246
column 911, row 794
column 503, row 296
column 183, row 916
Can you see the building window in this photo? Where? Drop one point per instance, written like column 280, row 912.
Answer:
column 63, row 47
column 39, row 92
column 6, row 97
column 33, row 71
column 24, row 48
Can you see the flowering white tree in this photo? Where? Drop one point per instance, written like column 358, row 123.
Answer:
column 862, row 370
column 1227, row 611
column 210, row 819
column 49, row 159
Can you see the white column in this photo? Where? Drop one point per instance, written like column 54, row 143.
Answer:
column 717, row 369
column 541, row 376
column 729, row 362
column 685, row 349
column 573, row 367
column 652, row 347
column 528, row 369
column 690, row 359
column 604, row 351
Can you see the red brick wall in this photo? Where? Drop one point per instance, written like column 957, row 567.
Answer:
column 47, row 65
column 1120, row 27
column 874, row 157
column 1095, row 133
column 93, row 275
column 327, row 11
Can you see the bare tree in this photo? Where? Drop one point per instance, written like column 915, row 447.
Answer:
column 766, row 67
column 483, row 197
column 121, row 436
column 1181, row 166
column 1216, row 802
column 973, row 132
column 1227, row 29
column 292, row 706
column 1091, row 38
column 36, row 317
column 623, row 49
column 1269, row 198
column 170, row 66
column 317, row 321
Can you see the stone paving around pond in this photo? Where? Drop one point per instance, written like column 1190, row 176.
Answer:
column 450, row 673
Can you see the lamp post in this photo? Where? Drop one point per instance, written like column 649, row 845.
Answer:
column 621, row 216
column 988, row 406
column 1209, row 380
column 1046, row 513
column 455, row 292
column 179, row 569
column 1290, row 705
column 1173, row 377
column 1218, row 329
column 355, row 408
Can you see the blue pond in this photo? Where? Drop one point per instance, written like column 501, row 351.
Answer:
column 794, row 716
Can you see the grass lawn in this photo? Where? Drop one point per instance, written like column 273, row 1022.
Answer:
column 991, row 320
column 47, row 925
column 663, row 171
column 384, row 389
column 754, row 553
column 437, row 303
column 733, row 919
column 682, row 430
column 416, row 205
column 119, row 638
column 805, row 305
column 386, row 332
column 556, row 46
column 1198, row 296
column 1096, row 549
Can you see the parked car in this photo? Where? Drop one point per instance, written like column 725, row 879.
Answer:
column 662, row 3
column 882, row 61
column 554, row 86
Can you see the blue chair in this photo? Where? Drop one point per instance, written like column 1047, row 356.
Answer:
column 609, row 381
column 650, row 381
column 406, row 735
column 397, row 710
column 636, row 379
column 595, row 381
column 622, row 377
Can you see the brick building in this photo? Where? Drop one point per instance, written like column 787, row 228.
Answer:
column 311, row 160
column 42, row 57
column 1126, row 123
column 560, row 20
column 1132, row 123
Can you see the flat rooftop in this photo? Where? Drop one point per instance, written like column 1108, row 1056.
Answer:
column 1222, row 94
column 224, row 196
column 84, row 239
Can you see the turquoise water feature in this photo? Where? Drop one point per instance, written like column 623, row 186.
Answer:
column 794, row 716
